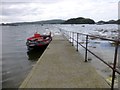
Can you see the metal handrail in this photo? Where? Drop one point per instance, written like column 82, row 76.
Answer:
column 117, row 42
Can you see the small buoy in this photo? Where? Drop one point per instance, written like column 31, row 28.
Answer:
column 89, row 59
column 94, row 47
column 83, row 25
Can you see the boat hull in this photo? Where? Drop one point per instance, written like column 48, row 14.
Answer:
column 38, row 42
column 37, row 47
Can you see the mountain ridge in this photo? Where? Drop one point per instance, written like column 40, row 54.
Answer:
column 78, row 20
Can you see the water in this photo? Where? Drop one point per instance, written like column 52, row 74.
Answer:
column 17, row 62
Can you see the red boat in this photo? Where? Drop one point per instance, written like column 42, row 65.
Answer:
column 38, row 41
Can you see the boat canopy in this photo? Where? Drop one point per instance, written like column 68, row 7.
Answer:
column 37, row 35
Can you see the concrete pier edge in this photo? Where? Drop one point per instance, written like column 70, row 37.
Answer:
column 64, row 69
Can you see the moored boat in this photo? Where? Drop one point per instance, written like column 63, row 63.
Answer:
column 38, row 41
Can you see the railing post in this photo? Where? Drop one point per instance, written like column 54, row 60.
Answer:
column 67, row 35
column 72, row 38
column 77, row 41
column 86, row 48
column 114, row 65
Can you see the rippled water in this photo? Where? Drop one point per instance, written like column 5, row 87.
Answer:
column 17, row 62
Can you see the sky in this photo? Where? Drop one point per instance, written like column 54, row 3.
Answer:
column 37, row 10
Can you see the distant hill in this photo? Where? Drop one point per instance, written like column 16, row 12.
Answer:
column 55, row 21
column 118, row 21
column 8, row 24
column 79, row 20
column 109, row 22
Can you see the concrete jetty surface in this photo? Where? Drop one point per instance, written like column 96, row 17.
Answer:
column 61, row 66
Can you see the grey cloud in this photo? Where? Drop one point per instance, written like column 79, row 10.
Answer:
column 29, row 1
column 11, row 12
column 21, row 11
column 13, row 19
column 46, row 9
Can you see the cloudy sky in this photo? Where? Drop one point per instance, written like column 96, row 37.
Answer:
column 37, row 10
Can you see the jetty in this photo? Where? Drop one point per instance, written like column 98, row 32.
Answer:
column 61, row 66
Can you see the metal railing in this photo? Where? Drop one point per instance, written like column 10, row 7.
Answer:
column 70, row 35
